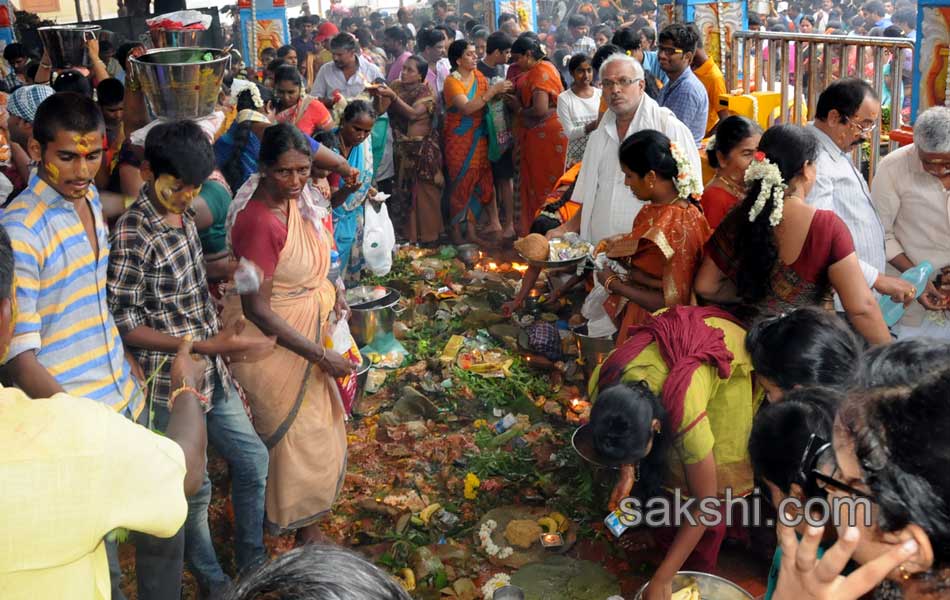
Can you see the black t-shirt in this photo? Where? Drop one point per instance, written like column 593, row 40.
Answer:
column 490, row 72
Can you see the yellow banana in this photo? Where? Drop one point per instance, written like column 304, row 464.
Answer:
column 428, row 511
column 408, row 580
column 562, row 522
column 549, row 524
column 690, row 592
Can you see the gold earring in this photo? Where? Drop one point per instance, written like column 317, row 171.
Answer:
column 904, row 574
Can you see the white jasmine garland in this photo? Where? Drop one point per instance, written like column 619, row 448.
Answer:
column 240, row 85
column 765, row 171
column 490, row 547
column 686, row 182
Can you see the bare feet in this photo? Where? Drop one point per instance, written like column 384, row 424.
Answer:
column 312, row 534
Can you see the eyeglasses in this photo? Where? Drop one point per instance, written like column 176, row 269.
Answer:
column 669, row 50
column 864, row 129
column 623, row 82
column 811, row 478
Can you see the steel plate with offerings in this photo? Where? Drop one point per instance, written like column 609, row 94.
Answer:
column 566, row 251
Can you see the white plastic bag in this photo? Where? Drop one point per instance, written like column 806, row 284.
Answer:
column 599, row 323
column 180, row 19
column 379, row 239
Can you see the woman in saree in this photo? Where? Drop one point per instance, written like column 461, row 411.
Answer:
column 466, row 96
column 672, row 409
column 730, row 153
column 274, row 223
column 352, row 141
column 774, row 253
column 663, row 251
column 540, row 135
column 411, row 105
column 297, row 108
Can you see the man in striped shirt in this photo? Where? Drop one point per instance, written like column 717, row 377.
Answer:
column 848, row 112
column 65, row 339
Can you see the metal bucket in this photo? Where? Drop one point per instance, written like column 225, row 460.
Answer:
column 372, row 319
column 66, row 44
column 175, row 85
column 181, row 38
column 710, row 586
column 362, row 374
column 509, row 592
column 592, row 350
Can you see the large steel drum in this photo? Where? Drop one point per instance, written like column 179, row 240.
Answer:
column 181, row 83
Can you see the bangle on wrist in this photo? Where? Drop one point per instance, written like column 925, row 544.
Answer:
column 202, row 399
column 322, row 356
column 610, row 280
column 46, row 65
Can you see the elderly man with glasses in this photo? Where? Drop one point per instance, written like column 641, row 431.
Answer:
column 911, row 192
column 609, row 206
column 847, row 114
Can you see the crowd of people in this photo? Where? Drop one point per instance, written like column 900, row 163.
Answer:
column 166, row 285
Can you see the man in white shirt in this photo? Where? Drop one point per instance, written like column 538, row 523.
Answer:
column 846, row 115
column 609, row 207
column 347, row 73
column 911, row 192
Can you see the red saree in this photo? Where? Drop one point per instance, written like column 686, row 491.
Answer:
column 543, row 146
column 675, row 237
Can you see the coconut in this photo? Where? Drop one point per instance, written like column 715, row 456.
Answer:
column 533, row 247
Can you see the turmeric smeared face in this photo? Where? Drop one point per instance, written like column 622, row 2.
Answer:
column 174, row 195
column 70, row 161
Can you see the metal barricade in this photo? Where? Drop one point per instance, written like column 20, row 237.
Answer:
column 801, row 65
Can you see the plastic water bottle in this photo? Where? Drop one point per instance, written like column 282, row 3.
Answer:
column 918, row 276
column 334, row 273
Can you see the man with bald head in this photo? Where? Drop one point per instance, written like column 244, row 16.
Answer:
column 609, row 206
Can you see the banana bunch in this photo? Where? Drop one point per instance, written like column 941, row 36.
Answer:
column 554, row 523
column 690, row 592
column 428, row 511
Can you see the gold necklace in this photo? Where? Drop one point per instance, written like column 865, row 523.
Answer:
column 734, row 188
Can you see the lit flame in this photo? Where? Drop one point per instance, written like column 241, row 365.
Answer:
column 492, row 266
column 521, row 268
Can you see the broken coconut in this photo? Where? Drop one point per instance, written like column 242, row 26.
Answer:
column 523, row 533
column 533, row 247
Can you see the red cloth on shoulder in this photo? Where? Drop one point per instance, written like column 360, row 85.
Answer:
column 685, row 342
column 259, row 236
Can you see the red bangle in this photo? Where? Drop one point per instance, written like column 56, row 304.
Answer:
column 202, row 399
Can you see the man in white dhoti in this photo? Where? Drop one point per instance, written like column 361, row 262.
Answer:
column 911, row 193
column 609, row 206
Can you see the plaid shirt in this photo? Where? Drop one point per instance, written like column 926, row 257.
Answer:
column 10, row 82
column 688, row 100
column 157, row 278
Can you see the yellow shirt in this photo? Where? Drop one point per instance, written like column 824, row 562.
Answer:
column 717, row 413
column 715, row 84
column 71, row 471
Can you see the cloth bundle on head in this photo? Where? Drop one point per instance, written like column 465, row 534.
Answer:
column 325, row 31
column 209, row 125
column 24, row 101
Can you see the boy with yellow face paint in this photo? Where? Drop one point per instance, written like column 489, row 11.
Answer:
column 158, row 293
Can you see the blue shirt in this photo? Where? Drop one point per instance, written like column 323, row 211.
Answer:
column 61, row 292
column 651, row 64
column 688, row 100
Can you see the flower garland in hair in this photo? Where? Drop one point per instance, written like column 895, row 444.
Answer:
column 240, row 85
column 686, row 182
column 764, row 170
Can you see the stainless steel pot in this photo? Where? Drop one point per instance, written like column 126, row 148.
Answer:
column 180, row 38
column 362, row 374
column 178, row 83
column 373, row 318
column 592, row 350
column 66, row 44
